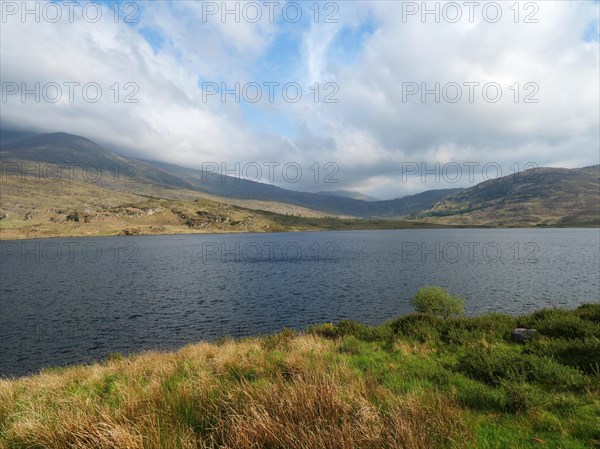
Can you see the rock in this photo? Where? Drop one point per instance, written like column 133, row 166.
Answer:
column 522, row 334
column 129, row 232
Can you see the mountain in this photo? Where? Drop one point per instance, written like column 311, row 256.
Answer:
column 72, row 152
column 348, row 194
column 540, row 196
column 46, row 191
column 9, row 135
column 230, row 187
column 67, row 149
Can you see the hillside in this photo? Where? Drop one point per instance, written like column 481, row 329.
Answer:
column 537, row 197
column 67, row 149
column 48, row 177
column 41, row 208
column 80, row 154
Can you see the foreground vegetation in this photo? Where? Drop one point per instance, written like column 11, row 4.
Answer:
column 415, row 382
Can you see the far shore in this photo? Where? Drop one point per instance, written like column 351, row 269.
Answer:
column 13, row 234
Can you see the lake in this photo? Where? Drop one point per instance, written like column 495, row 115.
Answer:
column 65, row 301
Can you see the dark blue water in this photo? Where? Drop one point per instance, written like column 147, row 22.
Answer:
column 65, row 301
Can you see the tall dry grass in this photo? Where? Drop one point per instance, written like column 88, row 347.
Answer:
column 292, row 392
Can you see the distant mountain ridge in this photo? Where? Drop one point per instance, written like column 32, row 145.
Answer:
column 541, row 196
column 239, row 188
column 60, row 148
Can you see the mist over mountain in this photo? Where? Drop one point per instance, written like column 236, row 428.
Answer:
column 62, row 148
column 536, row 196
column 349, row 194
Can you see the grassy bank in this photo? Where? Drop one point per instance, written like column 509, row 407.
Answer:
column 415, row 382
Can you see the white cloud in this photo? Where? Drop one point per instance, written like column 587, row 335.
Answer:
column 369, row 133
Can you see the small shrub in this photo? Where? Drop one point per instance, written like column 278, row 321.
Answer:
column 349, row 345
column 420, row 327
column 590, row 312
column 494, row 366
column 73, row 216
column 436, row 300
column 378, row 333
column 115, row 357
column 562, row 324
column 333, row 331
column 522, row 397
column 280, row 340
column 581, row 354
column 478, row 396
column 349, row 327
column 353, row 328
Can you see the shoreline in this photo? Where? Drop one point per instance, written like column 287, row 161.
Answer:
column 417, row 381
column 415, row 226
column 304, row 331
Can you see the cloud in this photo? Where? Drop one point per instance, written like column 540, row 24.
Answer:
column 374, row 55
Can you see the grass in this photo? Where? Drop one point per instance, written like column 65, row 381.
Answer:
column 43, row 208
column 414, row 382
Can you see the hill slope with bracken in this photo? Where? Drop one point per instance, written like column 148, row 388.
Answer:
column 540, row 196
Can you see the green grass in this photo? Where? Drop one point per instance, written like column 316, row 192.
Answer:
column 417, row 382
column 547, row 388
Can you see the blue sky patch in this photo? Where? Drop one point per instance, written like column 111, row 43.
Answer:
column 592, row 31
column 153, row 36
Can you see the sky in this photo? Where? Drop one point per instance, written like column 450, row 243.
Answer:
column 387, row 98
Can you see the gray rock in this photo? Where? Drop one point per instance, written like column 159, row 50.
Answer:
column 522, row 334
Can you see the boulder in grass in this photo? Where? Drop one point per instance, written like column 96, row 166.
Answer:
column 522, row 334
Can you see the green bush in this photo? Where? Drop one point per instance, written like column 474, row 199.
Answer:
column 73, row 216
column 495, row 366
column 436, row 300
column 353, row 328
column 463, row 331
column 333, row 331
column 349, row 345
column 477, row 396
column 522, row 397
column 418, row 326
column 562, row 324
column 581, row 354
column 590, row 312
column 279, row 340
